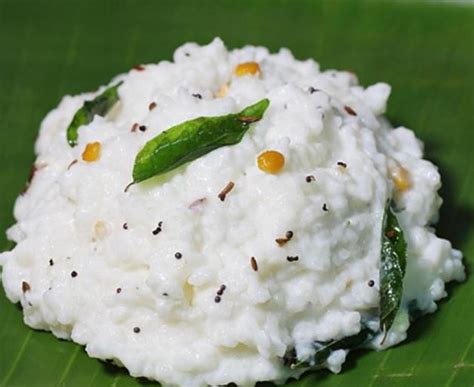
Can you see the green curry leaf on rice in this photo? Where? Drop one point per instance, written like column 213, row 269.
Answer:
column 100, row 106
column 392, row 269
column 192, row 139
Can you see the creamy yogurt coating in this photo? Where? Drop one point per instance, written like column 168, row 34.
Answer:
column 98, row 275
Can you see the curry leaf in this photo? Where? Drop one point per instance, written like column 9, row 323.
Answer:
column 192, row 139
column 100, row 105
column 392, row 271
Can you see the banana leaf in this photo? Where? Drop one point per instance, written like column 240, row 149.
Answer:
column 425, row 50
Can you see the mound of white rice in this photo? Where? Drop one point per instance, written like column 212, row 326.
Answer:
column 88, row 266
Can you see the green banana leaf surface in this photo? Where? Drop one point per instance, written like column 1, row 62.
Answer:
column 425, row 50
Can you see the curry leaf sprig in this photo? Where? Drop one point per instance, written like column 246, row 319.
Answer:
column 100, row 105
column 192, row 139
column 392, row 270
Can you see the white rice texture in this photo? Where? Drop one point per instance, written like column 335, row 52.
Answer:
column 71, row 219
